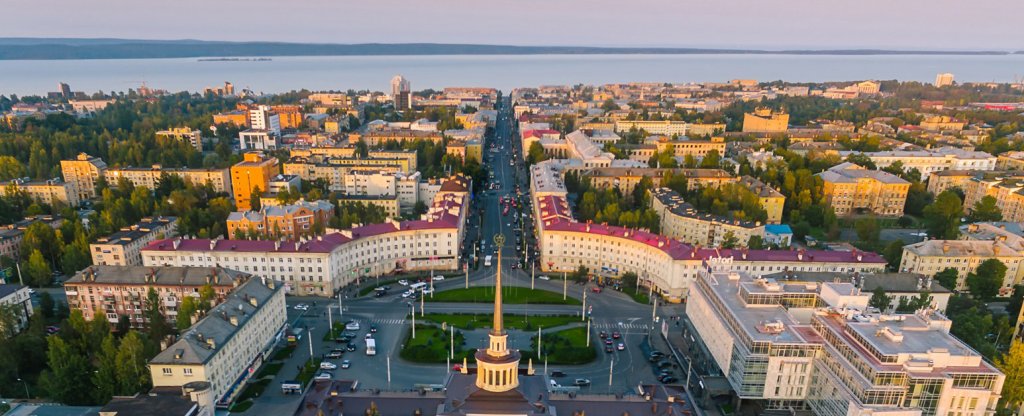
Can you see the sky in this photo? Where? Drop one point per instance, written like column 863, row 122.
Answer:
column 762, row 24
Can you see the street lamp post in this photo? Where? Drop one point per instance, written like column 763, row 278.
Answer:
column 565, row 285
column 611, row 368
column 583, row 312
column 538, row 342
column 588, row 333
column 413, row 322
column 25, row 382
column 451, row 343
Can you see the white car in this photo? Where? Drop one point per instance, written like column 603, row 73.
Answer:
column 403, row 282
column 407, row 293
column 427, row 291
column 346, row 364
column 326, row 365
column 438, row 278
column 352, row 326
column 324, row 376
column 302, row 307
column 543, row 278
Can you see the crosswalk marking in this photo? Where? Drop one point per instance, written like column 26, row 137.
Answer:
column 389, row 321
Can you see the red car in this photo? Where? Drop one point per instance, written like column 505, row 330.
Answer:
column 616, row 335
column 596, row 289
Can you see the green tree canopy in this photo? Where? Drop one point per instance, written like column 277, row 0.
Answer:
column 986, row 280
column 948, row 278
column 942, row 217
column 879, row 299
column 986, row 209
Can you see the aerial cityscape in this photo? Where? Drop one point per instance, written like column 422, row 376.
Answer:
column 376, row 225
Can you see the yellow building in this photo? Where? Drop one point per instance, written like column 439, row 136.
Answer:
column 254, row 171
column 228, row 345
column 82, row 173
column 771, row 200
column 682, row 148
column 933, row 256
column 52, row 192
column 290, row 116
column 475, row 150
column 627, row 178
column 219, row 179
column 681, row 221
column 947, row 179
column 1010, row 161
column 940, row 123
column 849, row 188
column 183, row 134
column 764, row 120
column 238, row 118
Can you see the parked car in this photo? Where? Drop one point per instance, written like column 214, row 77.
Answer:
column 408, row 293
column 664, row 364
column 350, row 347
column 669, row 380
column 346, row 364
column 301, row 307
column 557, row 373
column 596, row 289
column 335, row 354
column 327, row 365
column 352, row 326
column 324, row 376
column 438, row 278
column 581, row 382
column 403, row 282
column 457, row 367
column 543, row 278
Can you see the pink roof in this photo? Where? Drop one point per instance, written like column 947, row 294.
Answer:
column 539, row 133
column 553, row 218
column 326, row 244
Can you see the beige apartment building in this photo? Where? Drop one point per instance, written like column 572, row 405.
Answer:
column 933, row 256
column 765, row 120
column 771, row 199
column 82, row 173
column 850, row 188
column 627, row 178
column 122, row 248
column 682, row 148
column 665, row 127
column 288, row 221
column 219, row 179
column 1008, row 190
column 938, row 182
column 681, row 221
column 227, row 346
column 120, row 291
column 931, row 161
column 194, row 138
column 53, row 192
column 342, row 153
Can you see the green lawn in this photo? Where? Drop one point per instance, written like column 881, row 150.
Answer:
column 640, row 297
column 240, row 407
column 270, row 369
column 431, row 345
column 308, row 371
column 283, row 353
column 565, row 347
column 510, row 295
column 513, row 322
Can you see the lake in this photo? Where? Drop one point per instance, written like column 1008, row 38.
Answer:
column 499, row 71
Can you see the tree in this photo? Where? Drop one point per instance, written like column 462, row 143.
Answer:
column 37, row 269
column 132, row 373
column 729, row 240
column 862, row 160
column 985, row 209
column 986, row 280
column 10, row 321
column 755, row 242
column 1012, row 365
column 254, row 198
column 879, row 299
column 581, row 274
column 948, row 278
column 158, row 326
column 185, row 312
column 1013, row 306
column 609, row 105
column 629, row 280
column 894, row 254
column 942, row 217
column 46, row 305
column 868, row 230
column 923, row 300
column 105, row 377
column 535, row 153
column 68, row 373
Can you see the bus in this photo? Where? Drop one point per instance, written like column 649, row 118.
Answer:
column 371, row 346
column 487, row 261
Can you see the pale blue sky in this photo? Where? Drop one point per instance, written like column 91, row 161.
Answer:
column 769, row 24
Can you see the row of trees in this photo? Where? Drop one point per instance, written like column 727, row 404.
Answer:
column 610, row 206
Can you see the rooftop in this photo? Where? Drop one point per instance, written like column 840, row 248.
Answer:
column 851, row 173
column 199, row 343
column 156, row 276
column 130, row 234
column 961, row 248
column 676, row 205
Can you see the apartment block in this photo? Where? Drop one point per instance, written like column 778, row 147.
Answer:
column 51, row 191
column 765, row 120
column 850, row 189
column 118, row 291
column 1008, row 190
column 253, row 172
column 627, row 178
column 82, row 173
column 12, row 234
column 931, row 161
column 228, row 345
column 183, row 134
column 291, row 221
column 122, row 247
column 20, row 299
column 681, row 221
column 694, row 148
column 771, row 199
column 219, row 179
column 932, row 256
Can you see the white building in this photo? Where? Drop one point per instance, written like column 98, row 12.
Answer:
column 258, row 140
column 931, row 161
column 261, row 118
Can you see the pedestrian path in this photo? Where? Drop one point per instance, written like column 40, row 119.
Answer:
column 389, row 321
column 620, row 325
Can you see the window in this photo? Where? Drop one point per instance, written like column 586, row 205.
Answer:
column 167, row 371
column 188, row 372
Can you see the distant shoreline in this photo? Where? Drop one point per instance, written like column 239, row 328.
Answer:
column 67, row 49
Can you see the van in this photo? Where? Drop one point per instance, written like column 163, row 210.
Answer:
column 417, row 286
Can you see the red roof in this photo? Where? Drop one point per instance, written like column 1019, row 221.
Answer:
column 325, row 244
column 539, row 133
